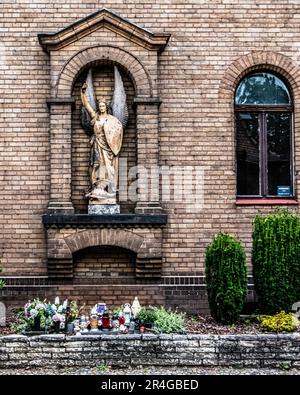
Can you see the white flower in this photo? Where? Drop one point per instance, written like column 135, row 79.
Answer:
column 65, row 304
column 60, row 309
column 56, row 300
column 33, row 313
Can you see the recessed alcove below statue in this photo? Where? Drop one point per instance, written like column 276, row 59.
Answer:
column 140, row 234
column 104, row 264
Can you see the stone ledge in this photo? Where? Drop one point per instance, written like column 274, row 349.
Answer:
column 115, row 220
column 257, row 350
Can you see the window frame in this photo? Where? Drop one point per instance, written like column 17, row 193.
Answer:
column 262, row 110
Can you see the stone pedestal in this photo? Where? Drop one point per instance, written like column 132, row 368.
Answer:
column 102, row 209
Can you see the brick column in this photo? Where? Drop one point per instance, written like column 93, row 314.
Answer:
column 147, row 155
column 60, row 155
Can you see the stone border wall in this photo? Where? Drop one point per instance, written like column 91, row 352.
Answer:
column 164, row 350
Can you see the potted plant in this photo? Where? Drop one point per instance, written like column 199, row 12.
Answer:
column 58, row 313
column 36, row 311
column 58, row 319
column 71, row 316
column 147, row 315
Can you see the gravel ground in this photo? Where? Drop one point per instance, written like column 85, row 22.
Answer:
column 150, row 371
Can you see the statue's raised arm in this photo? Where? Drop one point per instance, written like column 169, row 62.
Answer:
column 86, row 103
column 88, row 99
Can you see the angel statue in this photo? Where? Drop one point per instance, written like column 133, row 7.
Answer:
column 106, row 134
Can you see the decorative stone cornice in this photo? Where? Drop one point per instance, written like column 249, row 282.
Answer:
column 99, row 19
column 104, row 221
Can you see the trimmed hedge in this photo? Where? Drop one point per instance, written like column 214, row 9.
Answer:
column 226, row 278
column 276, row 260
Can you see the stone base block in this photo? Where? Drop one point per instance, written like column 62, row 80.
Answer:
column 100, row 209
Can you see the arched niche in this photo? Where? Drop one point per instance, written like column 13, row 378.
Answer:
column 64, row 110
column 101, row 37
column 103, row 78
column 103, row 54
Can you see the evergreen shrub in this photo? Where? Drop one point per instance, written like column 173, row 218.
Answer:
column 276, row 260
column 226, row 278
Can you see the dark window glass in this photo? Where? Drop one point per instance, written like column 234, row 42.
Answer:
column 247, row 134
column 262, row 88
column 263, row 114
column 279, row 153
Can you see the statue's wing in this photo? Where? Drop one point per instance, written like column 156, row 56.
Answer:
column 118, row 105
column 113, row 130
column 90, row 94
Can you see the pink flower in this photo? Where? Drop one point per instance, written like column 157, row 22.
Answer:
column 58, row 317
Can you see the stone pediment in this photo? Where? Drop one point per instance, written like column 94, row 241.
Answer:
column 98, row 20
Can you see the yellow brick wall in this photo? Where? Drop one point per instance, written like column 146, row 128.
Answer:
column 195, row 120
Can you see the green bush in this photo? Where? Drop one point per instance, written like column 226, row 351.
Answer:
column 147, row 314
column 281, row 322
column 2, row 283
column 22, row 324
column 168, row 321
column 276, row 260
column 226, row 278
column 165, row 321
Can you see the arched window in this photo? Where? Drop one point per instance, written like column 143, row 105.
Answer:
column 264, row 119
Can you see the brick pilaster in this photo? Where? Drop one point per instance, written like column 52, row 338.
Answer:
column 147, row 155
column 60, row 155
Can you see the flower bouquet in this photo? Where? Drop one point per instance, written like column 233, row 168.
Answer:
column 74, row 311
column 36, row 315
column 57, row 312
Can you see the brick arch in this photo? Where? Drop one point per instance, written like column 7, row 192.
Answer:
column 111, row 54
column 258, row 60
column 98, row 237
